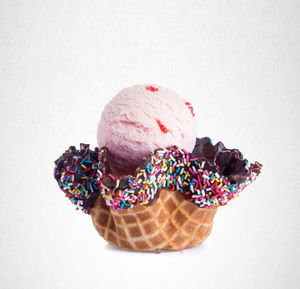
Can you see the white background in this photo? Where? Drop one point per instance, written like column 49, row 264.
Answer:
column 237, row 62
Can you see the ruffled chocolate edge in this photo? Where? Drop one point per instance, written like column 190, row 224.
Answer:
column 210, row 175
column 76, row 174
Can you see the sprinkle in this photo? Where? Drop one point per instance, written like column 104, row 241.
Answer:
column 186, row 152
column 111, row 176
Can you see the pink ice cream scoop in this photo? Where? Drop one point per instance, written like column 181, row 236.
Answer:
column 142, row 118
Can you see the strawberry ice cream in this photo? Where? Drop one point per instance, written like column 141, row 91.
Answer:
column 142, row 118
column 151, row 185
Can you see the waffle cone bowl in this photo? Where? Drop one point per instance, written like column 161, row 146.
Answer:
column 172, row 223
column 167, row 204
column 151, row 184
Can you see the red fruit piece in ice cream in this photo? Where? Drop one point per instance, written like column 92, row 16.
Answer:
column 161, row 126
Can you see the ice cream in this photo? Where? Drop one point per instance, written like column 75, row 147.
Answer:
column 142, row 118
column 151, row 185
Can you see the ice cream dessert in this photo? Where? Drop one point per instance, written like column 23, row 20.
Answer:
column 142, row 118
column 152, row 185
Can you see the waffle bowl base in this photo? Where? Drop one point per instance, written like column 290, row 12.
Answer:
column 171, row 223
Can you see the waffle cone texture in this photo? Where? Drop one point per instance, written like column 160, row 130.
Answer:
column 170, row 201
column 171, row 224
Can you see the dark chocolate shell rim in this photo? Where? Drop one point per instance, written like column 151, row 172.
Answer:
column 211, row 175
column 76, row 172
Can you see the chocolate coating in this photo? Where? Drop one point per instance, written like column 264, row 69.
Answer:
column 228, row 162
column 76, row 173
column 210, row 175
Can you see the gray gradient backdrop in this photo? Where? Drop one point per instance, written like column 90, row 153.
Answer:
column 237, row 62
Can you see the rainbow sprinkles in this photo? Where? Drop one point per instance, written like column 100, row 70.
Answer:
column 209, row 176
